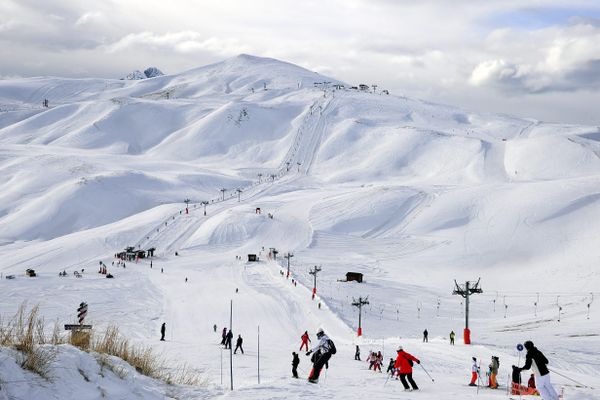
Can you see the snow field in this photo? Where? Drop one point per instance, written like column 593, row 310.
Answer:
column 412, row 194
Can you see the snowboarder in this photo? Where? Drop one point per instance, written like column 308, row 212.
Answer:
column 535, row 359
column 404, row 363
column 494, row 372
column 305, row 339
column 357, row 353
column 474, row 373
column 327, row 348
column 163, row 330
column 238, row 344
column 228, row 339
column 425, row 336
column 452, row 335
column 224, row 336
column 295, row 362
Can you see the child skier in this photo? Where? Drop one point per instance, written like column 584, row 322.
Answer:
column 378, row 361
column 295, row 362
column 390, row 368
column 474, row 373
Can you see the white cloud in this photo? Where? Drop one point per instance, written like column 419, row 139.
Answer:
column 181, row 42
column 492, row 71
column 553, row 59
column 87, row 18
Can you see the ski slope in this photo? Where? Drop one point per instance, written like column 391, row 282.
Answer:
column 411, row 194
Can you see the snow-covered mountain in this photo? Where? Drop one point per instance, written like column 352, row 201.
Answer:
column 410, row 193
column 150, row 72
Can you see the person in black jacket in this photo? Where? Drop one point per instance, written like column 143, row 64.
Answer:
column 163, row 330
column 228, row 339
column 295, row 362
column 536, row 360
column 238, row 344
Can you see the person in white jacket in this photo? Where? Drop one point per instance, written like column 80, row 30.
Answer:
column 474, row 373
column 326, row 348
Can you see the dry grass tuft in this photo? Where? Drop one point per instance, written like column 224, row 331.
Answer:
column 26, row 332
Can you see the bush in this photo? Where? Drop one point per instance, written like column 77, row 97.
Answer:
column 26, row 332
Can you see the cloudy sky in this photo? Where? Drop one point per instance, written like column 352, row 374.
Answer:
column 533, row 58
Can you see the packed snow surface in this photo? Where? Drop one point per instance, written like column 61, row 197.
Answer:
column 413, row 195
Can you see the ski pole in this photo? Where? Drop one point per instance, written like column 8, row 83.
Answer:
column 572, row 380
column 388, row 378
column 432, row 380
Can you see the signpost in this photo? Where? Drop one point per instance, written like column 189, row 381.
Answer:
column 80, row 333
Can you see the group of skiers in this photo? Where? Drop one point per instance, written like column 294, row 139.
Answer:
column 227, row 336
column 402, row 366
column 492, row 373
column 398, row 368
column 320, row 355
column 375, row 360
column 539, row 380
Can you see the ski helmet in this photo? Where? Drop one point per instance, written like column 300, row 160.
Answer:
column 320, row 332
column 399, row 348
column 528, row 345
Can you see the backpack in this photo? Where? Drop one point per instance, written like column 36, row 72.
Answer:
column 332, row 348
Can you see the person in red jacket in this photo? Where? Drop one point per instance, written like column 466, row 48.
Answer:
column 305, row 340
column 404, row 363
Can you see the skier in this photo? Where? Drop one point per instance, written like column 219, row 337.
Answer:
column 474, row 373
column 390, row 368
column 163, row 330
column 215, row 328
column 228, row 339
column 452, row 335
column 238, row 344
column 305, row 339
column 535, row 359
column 371, row 359
column 357, row 353
column 295, row 362
column 404, row 363
column 518, row 388
column 377, row 359
column 531, row 382
column 494, row 372
column 327, row 348
column 425, row 336
column 224, row 336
